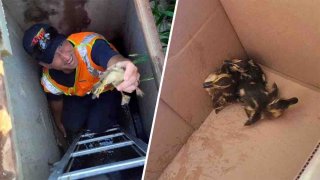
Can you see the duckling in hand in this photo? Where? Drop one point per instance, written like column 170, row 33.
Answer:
column 110, row 79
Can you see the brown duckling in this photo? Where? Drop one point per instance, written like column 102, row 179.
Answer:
column 260, row 102
column 248, row 69
column 221, row 87
column 255, row 99
column 276, row 108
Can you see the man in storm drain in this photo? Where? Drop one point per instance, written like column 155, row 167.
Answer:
column 71, row 67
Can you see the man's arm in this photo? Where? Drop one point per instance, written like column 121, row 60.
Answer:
column 56, row 108
column 103, row 55
column 116, row 58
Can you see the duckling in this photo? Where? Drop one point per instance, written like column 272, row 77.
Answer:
column 110, row 79
column 255, row 99
column 221, row 87
column 273, row 92
column 259, row 102
column 248, row 70
column 276, row 107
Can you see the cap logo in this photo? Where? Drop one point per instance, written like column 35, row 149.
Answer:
column 42, row 39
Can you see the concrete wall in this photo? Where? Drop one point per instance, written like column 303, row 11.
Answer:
column 116, row 20
column 106, row 17
column 134, row 43
column 32, row 131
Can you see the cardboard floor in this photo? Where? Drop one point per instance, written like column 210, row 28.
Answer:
column 222, row 148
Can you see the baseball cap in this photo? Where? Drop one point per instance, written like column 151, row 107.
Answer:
column 41, row 42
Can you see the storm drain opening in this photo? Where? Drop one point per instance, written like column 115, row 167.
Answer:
column 121, row 23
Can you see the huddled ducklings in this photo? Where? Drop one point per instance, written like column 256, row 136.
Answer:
column 222, row 87
column 245, row 81
column 253, row 93
column 248, row 70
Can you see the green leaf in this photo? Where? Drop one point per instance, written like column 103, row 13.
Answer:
column 165, row 33
column 139, row 58
column 165, row 40
column 167, row 13
column 171, row 7
column 159, row 20
column 147, row 79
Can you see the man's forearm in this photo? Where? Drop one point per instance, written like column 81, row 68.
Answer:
column 115, row 59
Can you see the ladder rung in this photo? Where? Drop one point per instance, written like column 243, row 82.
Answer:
column 103, row 169
column 100, row 138
column 103, row 148
column 109, row 130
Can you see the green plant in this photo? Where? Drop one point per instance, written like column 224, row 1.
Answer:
column 163, row 12
column 139, row 59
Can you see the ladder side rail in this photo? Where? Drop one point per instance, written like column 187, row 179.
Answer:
column 103, row 169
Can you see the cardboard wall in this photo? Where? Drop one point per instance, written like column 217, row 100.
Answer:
column 222, row 148
column 283, row 35
column 169, row 135
column 202, row 38
column 198, row 46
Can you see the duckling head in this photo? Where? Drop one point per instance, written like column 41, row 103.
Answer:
column 237, row 65
column 278, row 106
column 218, row 81
column 208, row 82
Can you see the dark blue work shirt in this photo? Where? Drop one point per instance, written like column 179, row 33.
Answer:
column 101, row 54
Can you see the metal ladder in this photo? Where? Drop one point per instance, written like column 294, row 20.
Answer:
column 114, row 150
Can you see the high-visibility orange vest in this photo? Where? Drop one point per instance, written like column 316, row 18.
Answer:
column 87, row 72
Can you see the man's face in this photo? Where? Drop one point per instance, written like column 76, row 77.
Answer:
column 64, row 58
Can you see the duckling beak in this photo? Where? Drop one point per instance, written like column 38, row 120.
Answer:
column 207, row 84
column 285, row 103
column 293, row 101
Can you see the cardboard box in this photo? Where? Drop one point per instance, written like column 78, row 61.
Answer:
column 192, row 142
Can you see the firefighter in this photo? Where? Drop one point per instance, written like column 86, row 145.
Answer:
column 70, row 67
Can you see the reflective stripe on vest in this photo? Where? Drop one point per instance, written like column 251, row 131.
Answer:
column 49, row 86
column 82, row 48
